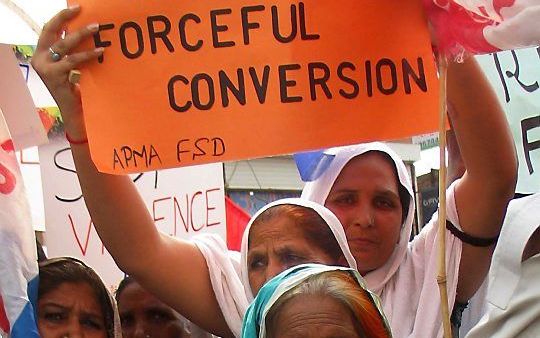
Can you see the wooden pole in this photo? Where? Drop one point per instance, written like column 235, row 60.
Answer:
column 441, row 276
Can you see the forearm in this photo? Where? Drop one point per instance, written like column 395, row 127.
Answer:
column 118, row 213
column 173, row 269
column 481, row 128
column 488, row 153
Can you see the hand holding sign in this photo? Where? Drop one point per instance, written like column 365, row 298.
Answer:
column 53, row 64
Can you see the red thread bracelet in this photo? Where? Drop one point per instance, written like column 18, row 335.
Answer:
column 72, row 141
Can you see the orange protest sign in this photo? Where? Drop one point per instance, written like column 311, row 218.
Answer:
column 184, row 83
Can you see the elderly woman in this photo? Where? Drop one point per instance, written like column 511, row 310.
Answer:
column 368, row 187
column 315, row 301
column 74, row 302
column 281, row 235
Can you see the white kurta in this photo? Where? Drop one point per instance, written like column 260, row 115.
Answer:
column 513, row 297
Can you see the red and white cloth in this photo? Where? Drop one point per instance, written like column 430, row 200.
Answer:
column 18, row 257
column 484, row 26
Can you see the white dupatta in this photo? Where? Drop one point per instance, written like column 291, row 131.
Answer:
column 407, row 282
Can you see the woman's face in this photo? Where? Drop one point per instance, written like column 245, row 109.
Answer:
column 71, row 310
column 143, row 315
column 309, row 316
column 276, row 245
column 365, row 199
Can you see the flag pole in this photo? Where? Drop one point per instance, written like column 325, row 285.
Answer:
column 441, row 276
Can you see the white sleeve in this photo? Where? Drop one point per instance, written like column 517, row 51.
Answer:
column 225, row 278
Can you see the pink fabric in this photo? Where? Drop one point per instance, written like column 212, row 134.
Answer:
column 483, row 26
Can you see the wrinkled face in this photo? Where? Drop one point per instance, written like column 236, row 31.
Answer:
column 71, row 310
column 365, row 199
column 275, row 246
column 308, row 316
column 143, row 315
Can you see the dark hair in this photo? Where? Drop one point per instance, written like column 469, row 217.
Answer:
column 56, row 271
column 123, row 284
column 313, row 226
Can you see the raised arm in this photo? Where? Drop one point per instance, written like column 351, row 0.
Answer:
column 172, row 269
column 490, row 160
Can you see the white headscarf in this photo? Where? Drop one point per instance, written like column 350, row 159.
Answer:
column 319, row 189
column 228, row 270
column 406, row 283
column 329, row 217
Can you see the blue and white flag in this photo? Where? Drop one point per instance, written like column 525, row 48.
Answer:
column 312, row 164
column 18, row 257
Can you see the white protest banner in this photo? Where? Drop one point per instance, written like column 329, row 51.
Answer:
column 31, row 173
column 17, row 104
column 40, row 93
column 515, row 75
column 183, row 202
column 38, row 90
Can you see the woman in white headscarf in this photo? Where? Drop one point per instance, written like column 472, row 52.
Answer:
column 368, row 187
column 402, row 274
column 235, row 280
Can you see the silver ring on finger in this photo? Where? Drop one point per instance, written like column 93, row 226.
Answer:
column 55, row 56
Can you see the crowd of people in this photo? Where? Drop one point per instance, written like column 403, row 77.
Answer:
column 337, row 262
